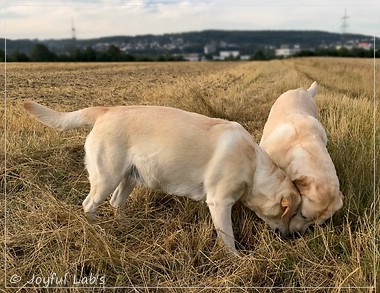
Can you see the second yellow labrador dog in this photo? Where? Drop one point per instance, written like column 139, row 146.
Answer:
column 180, row 153
column 296, row 141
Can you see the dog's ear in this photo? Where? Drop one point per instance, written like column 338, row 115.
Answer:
column 303, row 180
column 285, row 204
column 313, row 89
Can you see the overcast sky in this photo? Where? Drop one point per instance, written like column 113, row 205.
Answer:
column 45, row 19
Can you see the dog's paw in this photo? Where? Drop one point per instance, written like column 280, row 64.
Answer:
column 231, row 252
column 91, row 217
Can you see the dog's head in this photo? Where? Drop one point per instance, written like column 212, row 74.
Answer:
column 320, row 200
column 274, row 199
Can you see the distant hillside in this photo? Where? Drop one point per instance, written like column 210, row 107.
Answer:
column 191, row 42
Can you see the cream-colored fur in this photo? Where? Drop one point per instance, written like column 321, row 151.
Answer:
column 179, row 153
column 295, row 139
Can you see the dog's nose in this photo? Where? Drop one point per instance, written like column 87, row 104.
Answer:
column 283, row 235
column 295, row 235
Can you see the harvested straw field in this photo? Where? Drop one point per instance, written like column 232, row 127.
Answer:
column 167, row 243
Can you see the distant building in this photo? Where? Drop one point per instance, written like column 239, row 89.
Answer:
column 228, row 54
column 191, row 57
column 365, row 46
column 348, row 46
column 209, row 49
column 245, row 57
column 285, row 51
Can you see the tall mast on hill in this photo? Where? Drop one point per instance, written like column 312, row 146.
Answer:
column 73, row 31
column 344, row 24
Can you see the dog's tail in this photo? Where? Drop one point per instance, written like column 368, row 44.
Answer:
column 64, row 120
column 313, row 89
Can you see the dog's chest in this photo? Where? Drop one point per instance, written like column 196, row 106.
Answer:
column 186, row 187
column 193, row 191
column 168, row 180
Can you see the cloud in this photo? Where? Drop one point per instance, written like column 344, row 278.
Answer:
column 95, row 18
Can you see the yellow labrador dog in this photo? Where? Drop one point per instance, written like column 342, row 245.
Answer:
column 295, row 139
column 179, row 153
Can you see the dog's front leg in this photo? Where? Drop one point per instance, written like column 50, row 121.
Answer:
column 221, row 217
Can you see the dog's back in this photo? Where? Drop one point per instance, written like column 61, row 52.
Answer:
column 298, row 101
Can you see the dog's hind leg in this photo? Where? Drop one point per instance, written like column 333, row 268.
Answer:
column 106, row 168
column 105, row 174
column 121, row 194
column 101, row 188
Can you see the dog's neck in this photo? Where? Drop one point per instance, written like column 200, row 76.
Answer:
column 266, row 172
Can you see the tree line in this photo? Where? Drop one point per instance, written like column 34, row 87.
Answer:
column 41, row 53
column 342, row 52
